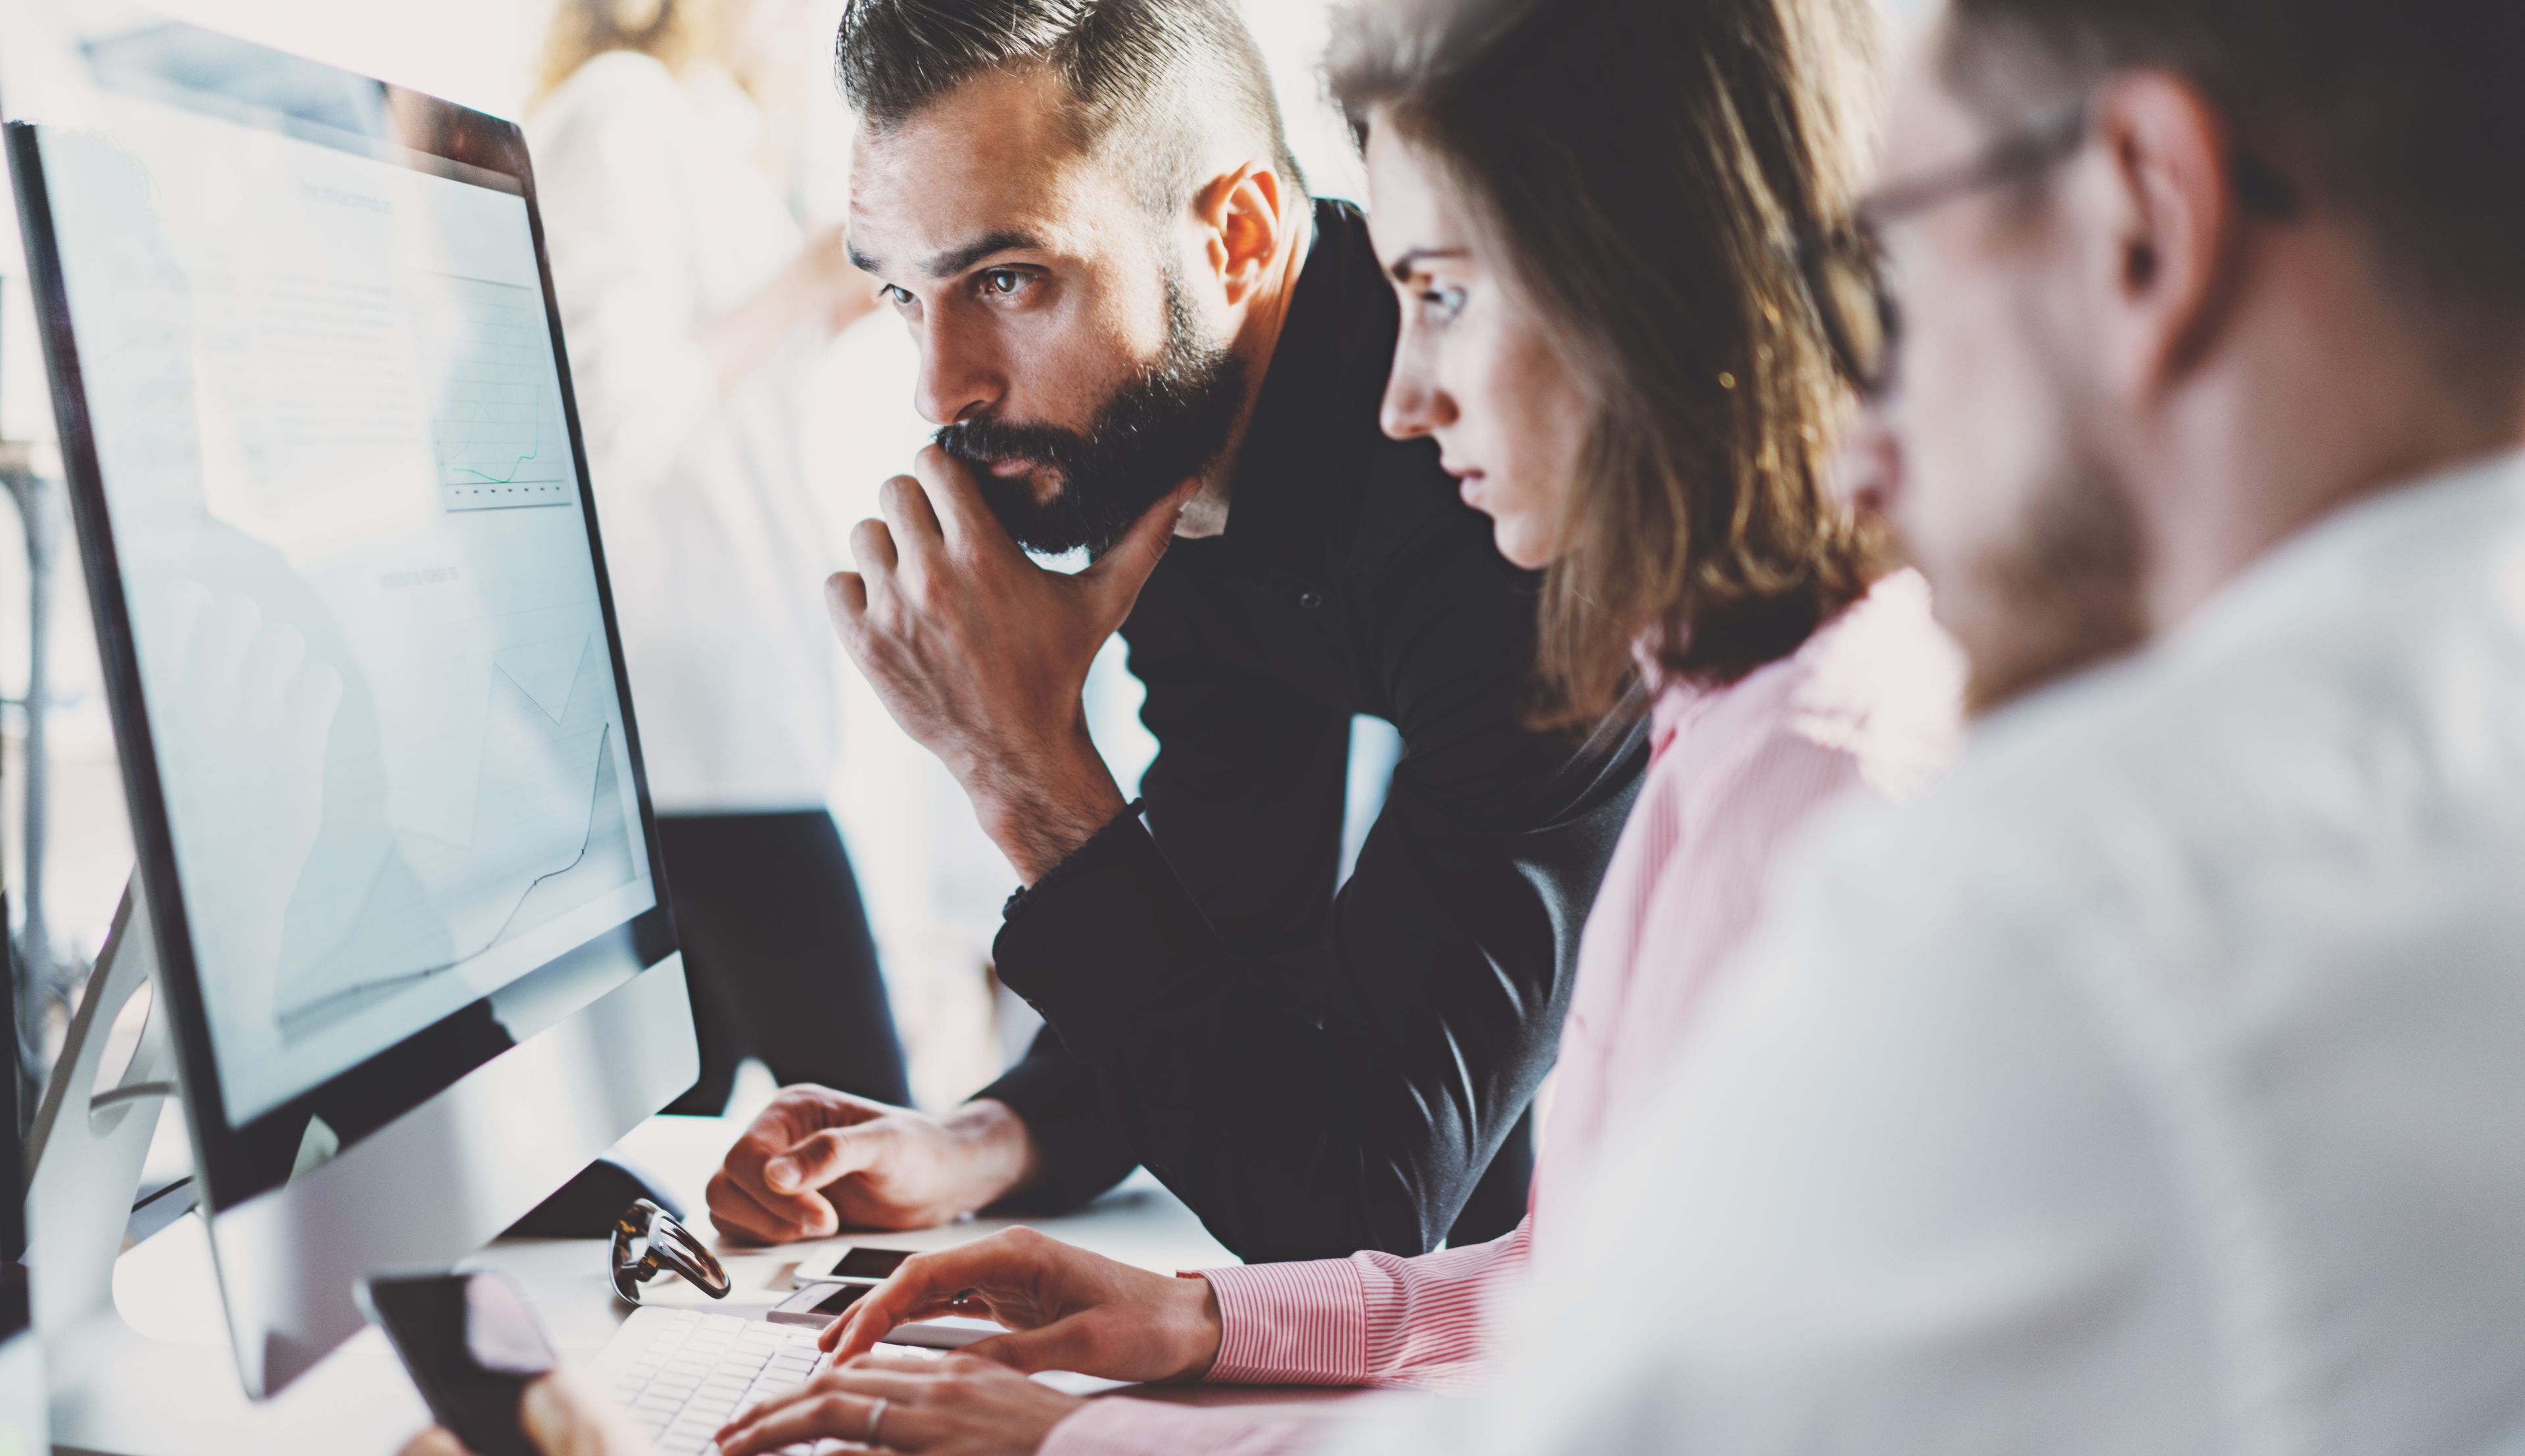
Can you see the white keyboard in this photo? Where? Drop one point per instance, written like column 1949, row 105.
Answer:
column 684, row 1374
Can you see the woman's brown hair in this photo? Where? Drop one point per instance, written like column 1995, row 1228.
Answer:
column 1648, row 168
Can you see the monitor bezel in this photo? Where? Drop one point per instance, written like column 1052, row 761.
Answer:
column 239, row 1162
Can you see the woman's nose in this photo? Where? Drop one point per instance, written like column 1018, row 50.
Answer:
column 1412, row 406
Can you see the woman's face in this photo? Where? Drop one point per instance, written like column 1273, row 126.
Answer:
column 1475, row 368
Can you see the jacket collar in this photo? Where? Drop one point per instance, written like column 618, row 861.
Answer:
column 1301, row 476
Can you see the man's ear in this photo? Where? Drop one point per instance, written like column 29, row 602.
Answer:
column 1243, row 216
column 2172, row 230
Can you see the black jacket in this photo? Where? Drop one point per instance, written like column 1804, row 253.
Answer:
column 1319, row 1073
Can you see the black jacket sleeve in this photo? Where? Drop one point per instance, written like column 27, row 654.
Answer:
column 1078, row 1146
column 1316, row 1074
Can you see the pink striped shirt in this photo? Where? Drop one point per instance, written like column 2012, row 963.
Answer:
column 1869, row 703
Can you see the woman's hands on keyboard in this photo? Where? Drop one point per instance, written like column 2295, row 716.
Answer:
column 1070, row 1310
column 957, row 1405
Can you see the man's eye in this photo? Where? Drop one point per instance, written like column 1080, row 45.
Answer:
column 1004, row 283
column 901, row 298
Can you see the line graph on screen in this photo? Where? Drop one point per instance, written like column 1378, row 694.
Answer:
column 547, row 832
column 497, row 433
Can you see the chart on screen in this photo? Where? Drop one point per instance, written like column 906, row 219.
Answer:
column 535, row 828
column 499, row 437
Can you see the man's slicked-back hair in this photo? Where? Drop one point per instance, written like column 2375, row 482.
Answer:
column 2399, row 116
column 1152, row 81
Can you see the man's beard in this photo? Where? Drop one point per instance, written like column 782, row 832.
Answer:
column 2059, row 593
column 1167, row 426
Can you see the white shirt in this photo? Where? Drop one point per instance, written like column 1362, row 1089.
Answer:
column 658, row 222
column 2157, row 1086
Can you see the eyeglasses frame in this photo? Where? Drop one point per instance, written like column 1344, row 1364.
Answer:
column 2015, row 159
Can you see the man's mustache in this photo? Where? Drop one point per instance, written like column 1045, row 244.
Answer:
column 988, row 442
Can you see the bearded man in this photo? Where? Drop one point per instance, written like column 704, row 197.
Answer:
column 1137, row 332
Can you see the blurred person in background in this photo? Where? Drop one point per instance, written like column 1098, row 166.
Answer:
column 694, row 304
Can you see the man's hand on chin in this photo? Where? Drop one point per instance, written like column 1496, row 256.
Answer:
column 982, row 655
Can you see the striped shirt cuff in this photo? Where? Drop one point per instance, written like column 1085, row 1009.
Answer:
column 1291, row 1324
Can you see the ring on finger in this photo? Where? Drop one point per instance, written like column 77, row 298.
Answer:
column 877, row 1418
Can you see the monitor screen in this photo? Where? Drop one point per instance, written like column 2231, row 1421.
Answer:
column 357, row 575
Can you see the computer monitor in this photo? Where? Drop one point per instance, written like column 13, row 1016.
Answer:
column 413, row 943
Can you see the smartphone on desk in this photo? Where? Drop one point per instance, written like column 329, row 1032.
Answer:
column 470, row 1344
column 850, row 1264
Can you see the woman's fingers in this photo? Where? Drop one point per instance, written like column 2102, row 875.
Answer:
column 927, row 1285
column 1074, row 1344
column 835, row 1405
column 807, row 1415
column 849, row 1340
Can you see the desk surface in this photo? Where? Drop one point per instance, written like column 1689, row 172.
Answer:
column 185, row 1397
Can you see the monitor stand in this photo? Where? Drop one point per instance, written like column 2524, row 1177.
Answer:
column 88, row 1146
column 85, row 1155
